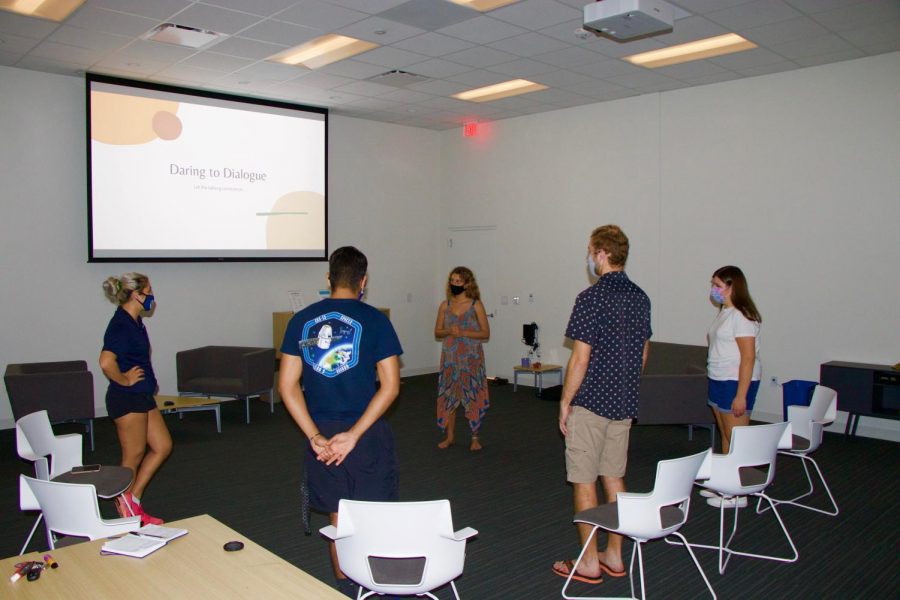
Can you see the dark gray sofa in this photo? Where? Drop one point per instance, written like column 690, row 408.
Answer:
column 231, row 371
column 673, row 386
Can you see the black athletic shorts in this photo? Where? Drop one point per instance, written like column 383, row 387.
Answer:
column 368, row 473
column 119, row 403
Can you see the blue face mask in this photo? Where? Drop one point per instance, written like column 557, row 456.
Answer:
column 591, row 264
column 362, row 292
column 716, row 295
column 149, row 299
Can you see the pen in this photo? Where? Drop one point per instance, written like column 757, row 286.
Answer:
column 20, row 569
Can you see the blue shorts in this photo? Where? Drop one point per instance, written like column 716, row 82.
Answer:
column 368, row 473
column 721, row 394
column 119, row 403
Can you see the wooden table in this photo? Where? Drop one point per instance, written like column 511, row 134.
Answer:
column 190, row 567
column 183, row 404
column 538, row 373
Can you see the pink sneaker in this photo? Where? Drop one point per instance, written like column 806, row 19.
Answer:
column 128, row 507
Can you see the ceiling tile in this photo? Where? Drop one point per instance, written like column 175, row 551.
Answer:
column 698, row 7
column 66, row 53
column 691, row 29
column 354, row 69
column 129, row 66
column 814, row 6
column 562, row 78
column 84, row 38
column 438, row 68
column 691, row 70
column 784, row 31
column 190, row 74
column 536, row 14
column 429, row 14
column 270, row 71
column 569, row 57
column 753, row 14
column 859, row 15
column 433, row 44
column 713, row 78
column 482, row 30
column 522, row 68
column 98, row 19
column 246, row 48
column 160, row 10
column 220, row 20
column 566, row 32
column 768, row 69
column 480, row 57
column 50, row 66
column 821, row 59
column 17, row 44
column 280, row 32
column 407, row 96
column 646, row 82
column 263, row 8
column 365, row 88
column 529, row 44
column 26, row 26
column 438, row 87
column 824, row 44
column 611, row 49
column 609, row 67
column 216, row 62
column 599, row 89
column 372, row 7
column 478, row 78
column 312, row 13
column 388, row 56
column 155, row 51
column 888, row 31
column 8, row 59
column 367, row 28
column 323, row 80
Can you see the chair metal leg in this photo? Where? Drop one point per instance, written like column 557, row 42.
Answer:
column 31, row 534
column 247, row 403
column 696, row 563
column 724, row 548
column 793, row 501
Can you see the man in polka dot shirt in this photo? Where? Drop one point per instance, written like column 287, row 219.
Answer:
column 610, row 328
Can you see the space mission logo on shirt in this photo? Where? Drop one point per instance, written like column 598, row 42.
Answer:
column 330, row 343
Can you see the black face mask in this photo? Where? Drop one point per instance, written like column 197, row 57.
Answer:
column 456, row 290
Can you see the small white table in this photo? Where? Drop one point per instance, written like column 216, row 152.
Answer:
column 538, row 373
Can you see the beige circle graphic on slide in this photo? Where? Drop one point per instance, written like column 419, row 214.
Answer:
column 130, row 120
column 295, row 222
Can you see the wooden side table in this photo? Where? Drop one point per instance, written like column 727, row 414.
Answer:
column 183, row 404
column 538, row 373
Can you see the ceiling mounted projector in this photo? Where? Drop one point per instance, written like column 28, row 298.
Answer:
column 623, row 20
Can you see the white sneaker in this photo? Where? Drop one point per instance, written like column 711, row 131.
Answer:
column 708, row 493
column 740, row 501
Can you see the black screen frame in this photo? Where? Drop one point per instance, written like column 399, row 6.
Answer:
column 99, row 78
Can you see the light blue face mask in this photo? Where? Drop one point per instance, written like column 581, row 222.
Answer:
column 716, row 295
column 591, row 263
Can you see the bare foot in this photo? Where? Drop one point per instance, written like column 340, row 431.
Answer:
column 446, row 443
column 476, row 445
column 564, row 567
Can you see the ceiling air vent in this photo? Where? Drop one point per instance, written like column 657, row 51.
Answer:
column 398, row 78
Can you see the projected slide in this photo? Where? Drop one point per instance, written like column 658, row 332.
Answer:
column 176, row 176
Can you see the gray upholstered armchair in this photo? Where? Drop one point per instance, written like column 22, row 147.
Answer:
column 673, row 387
column 64, row 389
column 230, row 371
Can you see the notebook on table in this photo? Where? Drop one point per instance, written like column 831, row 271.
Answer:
column 142, row 542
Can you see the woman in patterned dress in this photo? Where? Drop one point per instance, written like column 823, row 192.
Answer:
column 463, row 326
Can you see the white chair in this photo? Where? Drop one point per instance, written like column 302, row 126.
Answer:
column 54, row 456
column 70, row 509
column 747, row 470
column 807, row 424
column 649, row 516
column 399, row 548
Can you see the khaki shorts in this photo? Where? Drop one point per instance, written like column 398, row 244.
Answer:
column 595, row 446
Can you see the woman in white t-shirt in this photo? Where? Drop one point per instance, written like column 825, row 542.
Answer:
column 733, row 367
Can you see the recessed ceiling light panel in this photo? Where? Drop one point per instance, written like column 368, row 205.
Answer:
column 514, row 87
column 673, row 55
column 53, row 10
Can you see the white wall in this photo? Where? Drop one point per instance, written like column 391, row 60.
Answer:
column 381, row 192
column 794, row 177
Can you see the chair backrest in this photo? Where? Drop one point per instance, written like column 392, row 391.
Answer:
column 398, row 547
column 823, row 406
column 71, row 508
column 665, row 509
column 35, row 440
column 749, row 466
